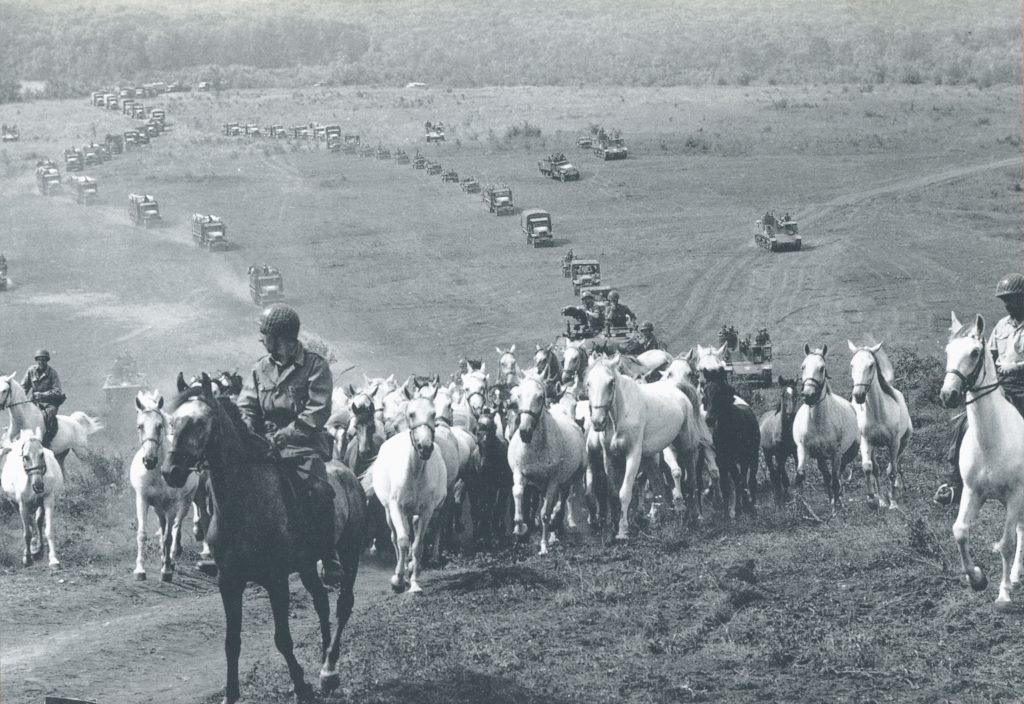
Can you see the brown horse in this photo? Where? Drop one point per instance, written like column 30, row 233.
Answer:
column 256, row 532
column 777, row 444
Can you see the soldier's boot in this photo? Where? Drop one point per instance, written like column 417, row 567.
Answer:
column 948, row 493
column 325, row 543
column 50, row 427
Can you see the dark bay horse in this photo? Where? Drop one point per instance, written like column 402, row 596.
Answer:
column 777, row 444
column 255, row 533
column 490, row 488
column 737, row 438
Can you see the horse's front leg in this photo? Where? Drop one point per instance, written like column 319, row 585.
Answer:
column 670, row 455
column 141, row 512
column 48, row 530
column 277, row 590
column 970, row 505
column 166, row 542
column 231, row 596
column 322, row 606
column 1005, row 546
column 420, row 526
column 518, row 490
column 27, row 519
column 1018, row 559
column 547, row 511
column 400, row 541
column 626, row 491
column 772, row 464
column 870, row 476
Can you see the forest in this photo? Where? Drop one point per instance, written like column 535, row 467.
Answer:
column 77, row 46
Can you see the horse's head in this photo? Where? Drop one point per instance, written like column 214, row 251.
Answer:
column 531, row 405
column 787, row 397
column 8, row 393
column 965, row 360
column 29, row 446
column 475, row 384
column 601, row 381
column 574, row 363
column 191, row 427
column 711, row 361
column 421, row 417
column 508, row 365
column 443, row 404
column 716, row 395
column 682, row 369
column 863, row 368
column 813, row 374
column 152, row 426
column 486, row 428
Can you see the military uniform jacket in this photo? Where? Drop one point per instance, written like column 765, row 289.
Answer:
column 46, row 384
column 618, row 315
column 296, row 397
column 1007, row 341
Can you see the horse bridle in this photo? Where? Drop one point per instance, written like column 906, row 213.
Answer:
column 6, row 404
column 41, row 467
column 611, row 402
column 972, row 378
column 543, row 390
column 158, row 440
column 819, row 385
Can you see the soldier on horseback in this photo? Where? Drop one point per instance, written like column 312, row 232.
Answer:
column 42, row 385
column 1007, row 347
column 287, row 400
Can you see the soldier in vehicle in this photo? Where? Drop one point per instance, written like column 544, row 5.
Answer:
column 1006, row 343
column 618, row 315
column 42, row 384
column 287, row 400
column 643, row 341
column 588, row 315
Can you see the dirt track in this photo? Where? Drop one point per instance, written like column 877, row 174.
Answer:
column 369, row 252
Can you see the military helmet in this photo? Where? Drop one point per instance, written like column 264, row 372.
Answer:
column 587, row 295
column 613, row 296
column 1010, row 285
column 280, row 320
column 647, row 326
column 42, row 354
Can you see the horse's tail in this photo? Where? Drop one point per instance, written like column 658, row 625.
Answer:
column 88, row 424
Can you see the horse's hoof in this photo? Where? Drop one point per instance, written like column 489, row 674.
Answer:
column 26, row 561
column 621, row 540
column 415, row 588
column 140, row 576
column 329, row 683
column 977, row 579
column 303, row 692
column 166, row 577
column 1004, row 607
column 397, row 584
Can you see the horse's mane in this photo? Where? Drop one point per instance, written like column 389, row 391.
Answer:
column 885, row 374
column 224, row 406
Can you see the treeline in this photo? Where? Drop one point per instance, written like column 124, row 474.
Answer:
column 75, row 47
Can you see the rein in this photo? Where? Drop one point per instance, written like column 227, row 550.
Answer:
column 159, row 439
column 973, row 378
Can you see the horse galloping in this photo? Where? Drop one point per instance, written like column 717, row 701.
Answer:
column 882, row 418
column 255, row 532
column 991, row 456
column 32, row 478
column 737, row 439
column 170, row 504
column 777, row 444
column 825, row 427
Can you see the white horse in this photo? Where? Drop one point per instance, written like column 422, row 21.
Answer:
column 991, row 456
column 410, row 478
column 510, row 371
column 882, row 418
column 32, row 478
column 637, row 421
column 474, row 387
column 73, row 430
column 825, row 427
column 460, row 451
column 170, row 505
column 548, row 451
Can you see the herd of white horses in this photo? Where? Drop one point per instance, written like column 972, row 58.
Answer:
column 593, row 429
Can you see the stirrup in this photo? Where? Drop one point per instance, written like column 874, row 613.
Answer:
column 946, row 495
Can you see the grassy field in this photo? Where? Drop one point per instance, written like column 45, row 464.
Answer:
column 909, row 201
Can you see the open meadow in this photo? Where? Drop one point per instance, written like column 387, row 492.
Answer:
column 909, row 201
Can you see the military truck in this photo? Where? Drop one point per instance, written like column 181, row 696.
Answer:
column 91, row 155
column 278, row 132
column 450, row 175
column 47, row 177
column 3, row 273
column 610, row 146
column 209, row 231
column 435, row 132
column 143, row 210
column 350, row 144
column 10, row 133
column 383, row 153
column 584, row 273
column 469, row 185
column 115, row 143
column 86, row 190
column 751, row 361
column 536, row 225
column 401, row 156
column 557, row 166
column 265, row 284
column 231, row 129
column 73, row 159
column 498, row 199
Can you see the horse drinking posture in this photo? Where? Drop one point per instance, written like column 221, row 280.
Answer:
column 737, row 438
column 991, row 456
column 170, row 504
column 256, row 531
column 634, row 421
column 777, row 444
column 73, row 431
column 410, row 478
column 825, row 427
column 32, row 478
column 548, row 451
column 882, row 418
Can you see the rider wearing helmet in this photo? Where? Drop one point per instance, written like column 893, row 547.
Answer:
column 589, row 315
column 618, row 315
column 643, row 341
column 287, row 399
column 42, row 385
column 1006, row 343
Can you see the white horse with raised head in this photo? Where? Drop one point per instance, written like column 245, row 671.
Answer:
column 73, row 430
column 409, row 478
column 170, row 505
column 883, row 419
column 510, row 373
column 636, row 421
column 474, row 388
column 825, row 427
column 33, row 479
column 548, row 451
column 991, row 456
